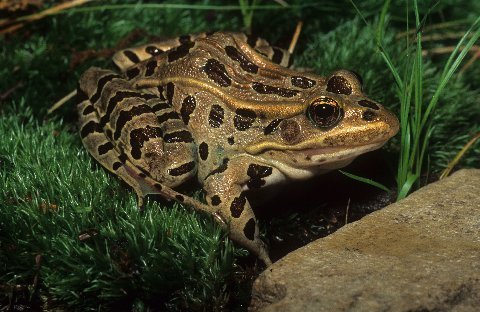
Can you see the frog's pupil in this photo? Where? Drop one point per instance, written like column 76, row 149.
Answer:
column 324, row 111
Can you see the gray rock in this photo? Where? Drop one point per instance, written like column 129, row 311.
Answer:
column 420, row 254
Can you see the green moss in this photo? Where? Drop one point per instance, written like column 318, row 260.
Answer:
column 96, row 247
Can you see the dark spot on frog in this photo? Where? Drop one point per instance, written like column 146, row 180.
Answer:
column 237, row 205
column 160, row 93
column 141, row 135
column 244, row 118
column 252, row 40
column 290, row 131
column 277, row 55
column 231, row 140
column 245, row 63
column 182, row 169
column 178, row 136
column 142, row 175
column 167, row 116
column 105, row 148
column 88, row 109
column 170, row 92
column 272, row 126
column 131, row 56
column 116, row 165
column 119, row 97
column 203, row 151
column 123, row 157
column 368, row 104
column 266, row 89
column 132, row 73
column 127, row 115
column 302, row 82
column 158, row 186
column 339, row 85
column 180, row 198
column 217, row 73
column 249, row 229
column 102, row 82
column 188, row 106
column 215, row 200
column 150, row 68
column 215, row 118
column 180, row 51
column 256, row 174
column 152, row 50
column 160, row 106
column 90, row 127
column 369, row 115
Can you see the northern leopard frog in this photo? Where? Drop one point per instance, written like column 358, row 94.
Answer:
column 223, row 108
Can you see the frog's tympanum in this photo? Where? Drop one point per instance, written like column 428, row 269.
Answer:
column 225, row 109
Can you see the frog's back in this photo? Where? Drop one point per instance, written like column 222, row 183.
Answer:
column 240, row 70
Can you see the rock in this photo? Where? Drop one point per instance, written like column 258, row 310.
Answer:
column 420, row 254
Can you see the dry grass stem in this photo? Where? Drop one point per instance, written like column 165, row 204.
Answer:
column 293, row 43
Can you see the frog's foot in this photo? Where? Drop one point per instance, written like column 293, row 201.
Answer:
column 252, row 242
column 145, row 185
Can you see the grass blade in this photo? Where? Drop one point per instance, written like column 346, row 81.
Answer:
column 366, row 181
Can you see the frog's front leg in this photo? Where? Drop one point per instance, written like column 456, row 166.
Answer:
column 225, row 189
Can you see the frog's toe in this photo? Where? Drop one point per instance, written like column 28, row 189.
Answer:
column 263, row 255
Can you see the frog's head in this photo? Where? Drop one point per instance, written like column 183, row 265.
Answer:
column 337, row 123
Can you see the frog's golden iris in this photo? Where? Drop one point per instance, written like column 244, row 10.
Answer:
column 324, row 112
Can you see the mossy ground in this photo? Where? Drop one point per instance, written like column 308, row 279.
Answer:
column 71, row 235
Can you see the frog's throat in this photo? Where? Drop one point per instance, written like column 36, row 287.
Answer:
column 269, row 109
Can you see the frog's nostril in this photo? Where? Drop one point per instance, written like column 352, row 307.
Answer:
column 369, row 115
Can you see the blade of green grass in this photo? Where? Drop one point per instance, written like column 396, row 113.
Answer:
column 366, row 181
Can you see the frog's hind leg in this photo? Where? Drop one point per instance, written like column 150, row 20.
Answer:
column 99, row 138
column 275, row 54
column 135, row 177
column 124, row 59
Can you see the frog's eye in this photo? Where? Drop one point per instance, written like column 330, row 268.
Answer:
column 324, row 112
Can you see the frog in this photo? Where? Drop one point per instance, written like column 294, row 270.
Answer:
column 229, row 111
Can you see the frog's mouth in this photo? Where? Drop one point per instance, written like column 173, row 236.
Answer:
column 335, row 153
column 305, row 163
column 328, row 157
